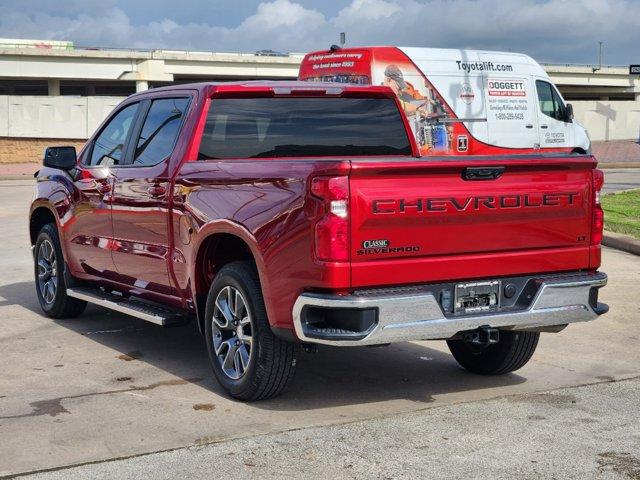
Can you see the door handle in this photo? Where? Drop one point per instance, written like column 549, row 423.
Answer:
column 103, row 186
column 482, row 173
column 544, row 126
column 529, row 125
column 156, row 191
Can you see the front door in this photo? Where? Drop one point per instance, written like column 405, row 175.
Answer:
column 554, row 126
column 88, row 228
column 141, row 196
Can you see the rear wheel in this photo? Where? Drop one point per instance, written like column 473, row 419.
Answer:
column 247, row 359
column 513, row 351
column 50, row 285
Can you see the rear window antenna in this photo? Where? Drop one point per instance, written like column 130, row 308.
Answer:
column 343, row 40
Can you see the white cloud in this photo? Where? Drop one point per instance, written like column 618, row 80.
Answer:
column 279, row 25
column 280, row 14
column 367, row 10
column 551, row 30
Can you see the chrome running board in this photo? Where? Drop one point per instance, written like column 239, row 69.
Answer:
column 136, row 308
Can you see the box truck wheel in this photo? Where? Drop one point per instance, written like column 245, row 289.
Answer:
column 511, row 352
column 247, row 359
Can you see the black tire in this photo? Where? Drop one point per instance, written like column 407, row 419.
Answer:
column 59, row 304
column 512, row 352
column 272, row 361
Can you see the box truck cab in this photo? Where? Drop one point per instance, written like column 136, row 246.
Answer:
column 462, row 102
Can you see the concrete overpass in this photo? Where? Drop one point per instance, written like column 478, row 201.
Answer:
column 88, row 71
column 581, row 82
column 606, row 101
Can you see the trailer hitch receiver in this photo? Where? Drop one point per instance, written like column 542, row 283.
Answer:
column 482, row 336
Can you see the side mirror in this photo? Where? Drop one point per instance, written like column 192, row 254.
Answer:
column 569, row 111
column 63, row 158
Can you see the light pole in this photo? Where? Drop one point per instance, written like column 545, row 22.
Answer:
column 599, row 67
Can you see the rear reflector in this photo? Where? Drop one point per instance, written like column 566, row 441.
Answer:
column 597, row 224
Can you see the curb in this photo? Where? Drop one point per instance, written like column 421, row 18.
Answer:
column 18, row 171
column 618, row 241
column 17, row 177
column 607, row 165
column 626, row 190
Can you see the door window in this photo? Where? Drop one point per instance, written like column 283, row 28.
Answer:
column 108, row 148
column 550, row 102
column 160, row 131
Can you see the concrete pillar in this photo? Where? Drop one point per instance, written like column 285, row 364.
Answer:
column 54, row 87
column 142, row 85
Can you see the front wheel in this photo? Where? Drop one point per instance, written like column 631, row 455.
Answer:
column 247, row 359
column 513, row 351
column 50, row 285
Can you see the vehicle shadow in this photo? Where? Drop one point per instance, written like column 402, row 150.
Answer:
column 333, row 376
column 22, row 293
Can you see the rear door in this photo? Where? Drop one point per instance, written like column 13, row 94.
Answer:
column 511, row 111
column 429, row 220
column 141, row 196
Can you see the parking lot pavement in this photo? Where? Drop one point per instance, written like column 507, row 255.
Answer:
column 570, row 433
column 106, row 386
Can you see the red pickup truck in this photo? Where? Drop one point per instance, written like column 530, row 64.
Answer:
column 279, row 214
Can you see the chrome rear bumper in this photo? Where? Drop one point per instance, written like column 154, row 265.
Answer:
column 416, row 313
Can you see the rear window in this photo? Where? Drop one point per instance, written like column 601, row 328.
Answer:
column 303, row 127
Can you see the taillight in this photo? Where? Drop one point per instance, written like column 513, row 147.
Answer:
column 597, row 224
column 332, row 230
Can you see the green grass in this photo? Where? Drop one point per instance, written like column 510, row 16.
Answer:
column 622, row 213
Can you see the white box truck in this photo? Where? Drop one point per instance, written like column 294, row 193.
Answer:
column 462, row 102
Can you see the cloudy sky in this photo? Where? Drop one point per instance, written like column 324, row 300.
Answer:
column 564, row 31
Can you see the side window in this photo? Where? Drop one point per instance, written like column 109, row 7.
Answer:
column 550, row 102
column 108, row 147
column 560, row 108
column 160, row 131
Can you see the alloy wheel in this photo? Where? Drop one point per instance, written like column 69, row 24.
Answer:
column 47, row 271
column 232, row 332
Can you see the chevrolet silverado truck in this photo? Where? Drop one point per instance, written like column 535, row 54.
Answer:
column 281, row 214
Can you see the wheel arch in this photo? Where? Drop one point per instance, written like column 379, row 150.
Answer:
column 217, row 246
column 40, row 215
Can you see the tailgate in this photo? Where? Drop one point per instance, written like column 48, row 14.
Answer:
column 422, row 220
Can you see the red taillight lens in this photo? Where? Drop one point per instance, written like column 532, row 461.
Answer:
column 332, row 239
column 597, row 224
column 332, row 231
